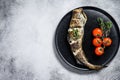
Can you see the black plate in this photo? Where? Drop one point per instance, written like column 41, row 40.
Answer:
column 63, row 47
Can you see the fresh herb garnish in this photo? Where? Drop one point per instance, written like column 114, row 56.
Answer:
column 105, row 26
column 75, row 33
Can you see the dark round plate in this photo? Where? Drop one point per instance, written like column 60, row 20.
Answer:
column 63, row 46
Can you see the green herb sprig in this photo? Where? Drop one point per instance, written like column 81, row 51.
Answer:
column 75, row 33
column 105, row 26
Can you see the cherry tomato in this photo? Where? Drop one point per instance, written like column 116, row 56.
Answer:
column 97, row 42
column 97, row 32
column 107, row 41
column 99, row 51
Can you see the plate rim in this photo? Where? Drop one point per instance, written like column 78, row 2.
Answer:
column 92, row 8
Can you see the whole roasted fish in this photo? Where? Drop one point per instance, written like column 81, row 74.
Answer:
column 75, row 37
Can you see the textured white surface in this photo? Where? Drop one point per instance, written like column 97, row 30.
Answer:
column 27, row 29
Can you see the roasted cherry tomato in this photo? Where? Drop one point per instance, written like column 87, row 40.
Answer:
column 97, row 42
column 107, row 41
column 97, row 32
column 99, row 51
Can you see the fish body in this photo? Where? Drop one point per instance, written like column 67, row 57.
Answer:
column 75, row 37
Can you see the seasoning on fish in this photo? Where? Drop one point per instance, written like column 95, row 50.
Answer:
column 75, row 37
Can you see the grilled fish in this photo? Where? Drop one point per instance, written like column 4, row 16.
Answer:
column 75, row 37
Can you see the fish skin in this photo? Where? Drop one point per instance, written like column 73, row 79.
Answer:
column 77, row 23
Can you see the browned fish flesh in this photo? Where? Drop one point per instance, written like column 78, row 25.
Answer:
column 75, row 37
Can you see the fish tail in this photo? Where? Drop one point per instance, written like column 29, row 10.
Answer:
column 95, row 67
